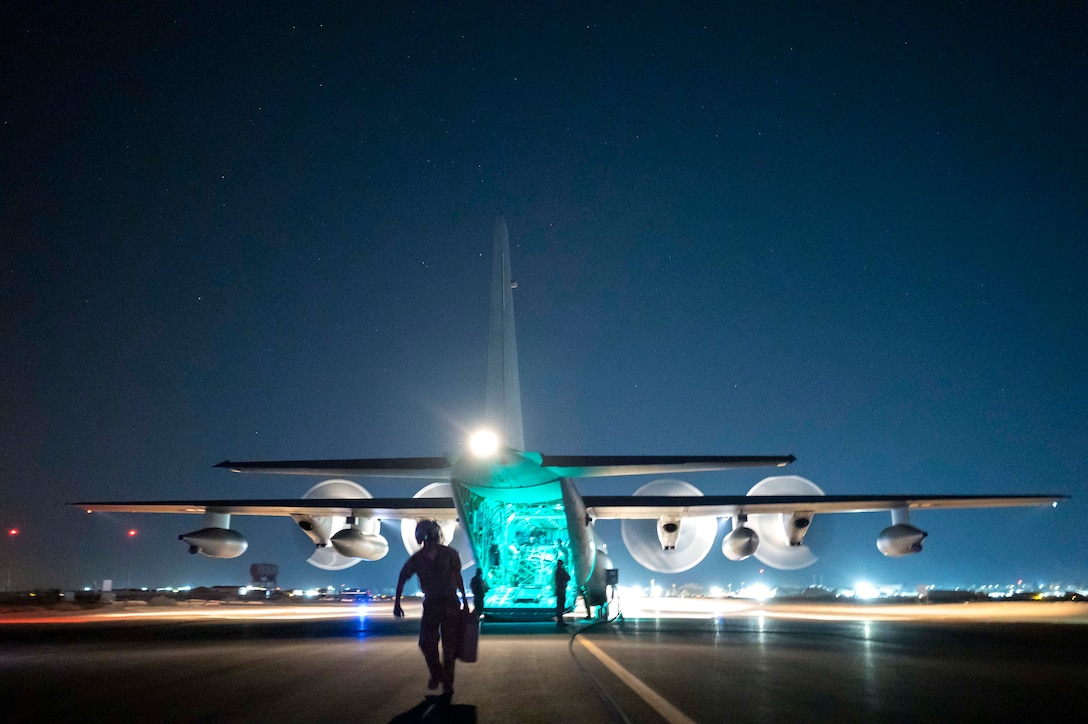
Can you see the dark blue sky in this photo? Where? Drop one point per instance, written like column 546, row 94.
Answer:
column 855, row 234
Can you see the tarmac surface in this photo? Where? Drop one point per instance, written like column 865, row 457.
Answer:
column 669, row 662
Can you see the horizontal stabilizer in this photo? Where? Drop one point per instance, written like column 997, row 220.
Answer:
column 430, row 468
column 597, row 466
column 382, row 508
column 629, row 507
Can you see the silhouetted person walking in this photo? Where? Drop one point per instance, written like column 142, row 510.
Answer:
column 562, row 578
column 439, row 571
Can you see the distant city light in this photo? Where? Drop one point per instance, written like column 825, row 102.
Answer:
column 13, row 531
column 630, row 592
column 758, row 591
column 865, row 591
column 132, row 533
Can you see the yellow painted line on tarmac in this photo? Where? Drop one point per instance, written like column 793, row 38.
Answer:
column 657, row 702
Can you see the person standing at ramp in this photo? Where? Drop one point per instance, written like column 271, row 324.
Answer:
column 479, row 590
column 439, row 570
column 562, row 578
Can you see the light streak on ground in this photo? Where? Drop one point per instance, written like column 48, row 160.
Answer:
column 996, row 611
column 645, row 609
column 193, row 611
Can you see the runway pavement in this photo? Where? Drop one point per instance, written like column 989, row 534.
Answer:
column 743, row 662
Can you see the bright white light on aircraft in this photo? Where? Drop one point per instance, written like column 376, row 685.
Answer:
column 865, row 591
column 483, row 443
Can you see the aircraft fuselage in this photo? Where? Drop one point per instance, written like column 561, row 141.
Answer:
column 520, row 519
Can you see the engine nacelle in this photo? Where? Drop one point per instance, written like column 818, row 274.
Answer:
column 795, row 525
column 740, row 543
column 216, row 542
column 354, row 543
column 900, row 540
column 668, row 531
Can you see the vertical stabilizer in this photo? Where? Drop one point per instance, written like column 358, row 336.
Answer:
column 503, row 387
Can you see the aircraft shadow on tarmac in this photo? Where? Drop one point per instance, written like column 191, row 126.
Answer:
column 437, row 709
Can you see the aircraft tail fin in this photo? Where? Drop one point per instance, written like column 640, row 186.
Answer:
column 503, row 385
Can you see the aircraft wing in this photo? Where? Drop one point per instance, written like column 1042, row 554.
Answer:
column 653, row 506
column 567, row 466
column 595, row 466
column 382, row 508
column 430, row 468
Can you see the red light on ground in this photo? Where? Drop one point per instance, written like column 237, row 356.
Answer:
column 132, row 533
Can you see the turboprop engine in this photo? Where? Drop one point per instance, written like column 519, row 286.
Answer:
column 215, row 539
column 669, row 544
column 341, row 542
column 777, row 539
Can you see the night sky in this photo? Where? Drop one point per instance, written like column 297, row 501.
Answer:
column 851, row 232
